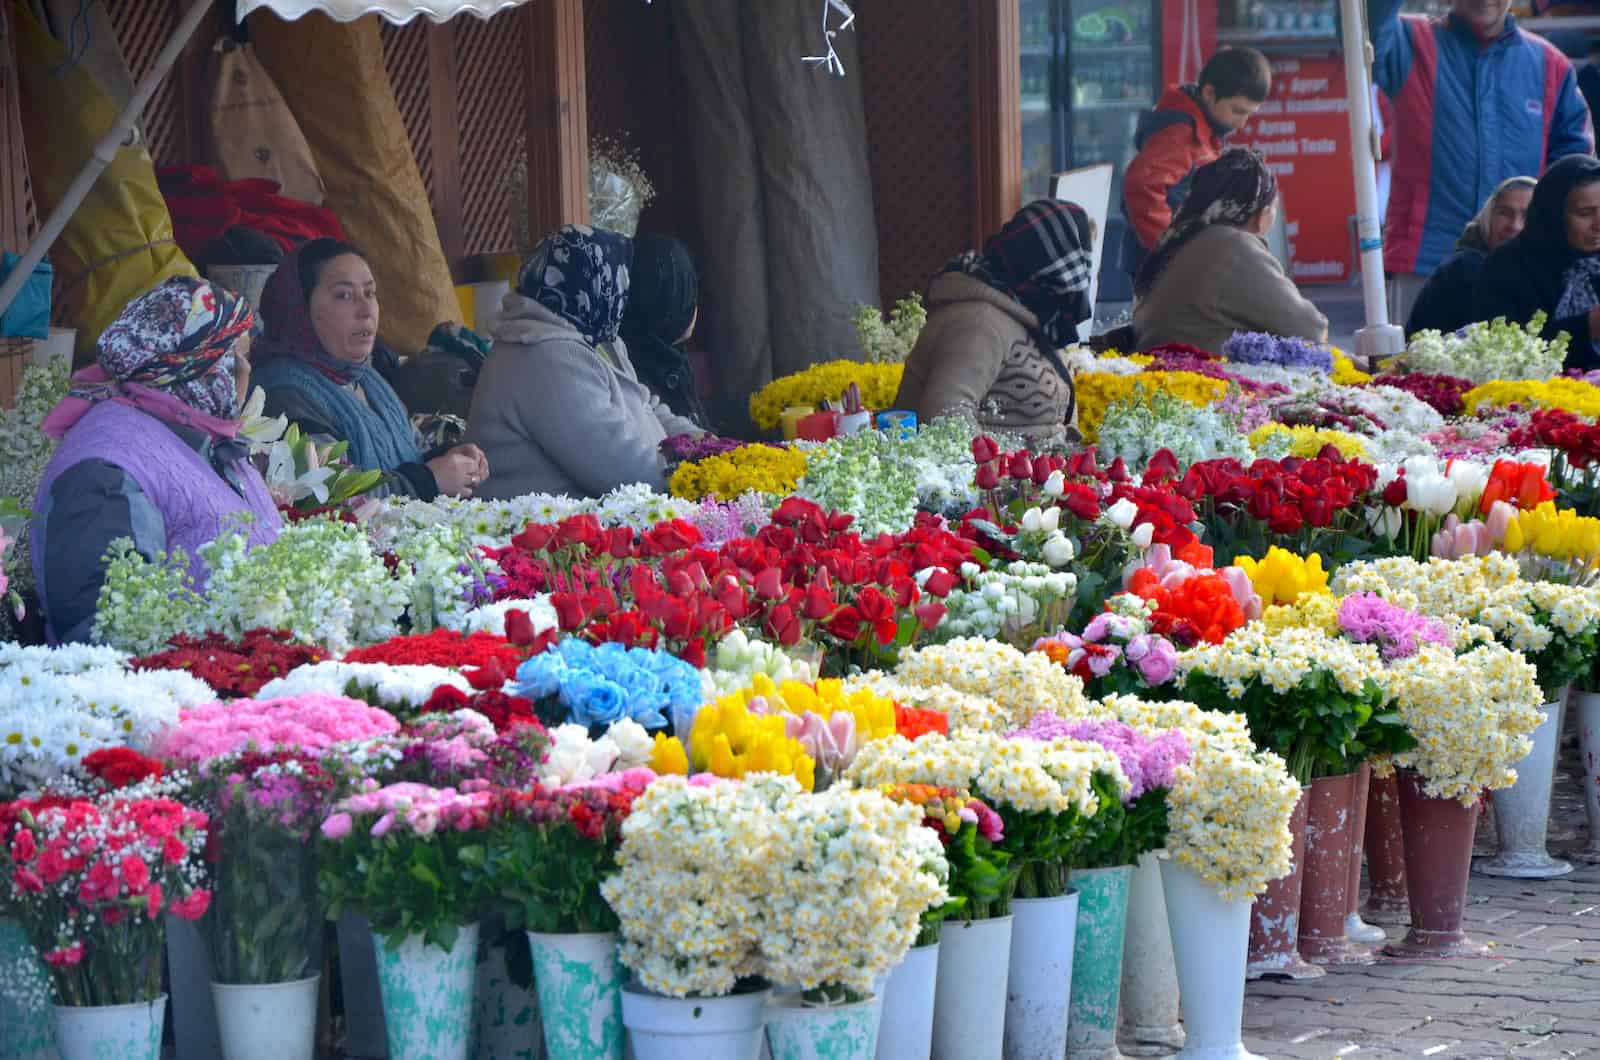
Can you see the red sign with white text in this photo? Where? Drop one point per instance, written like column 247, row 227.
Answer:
column 1303, row 130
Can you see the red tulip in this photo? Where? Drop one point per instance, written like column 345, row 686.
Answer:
column 769, row 583
column 1019, row 466
column 930, row 614
column 819, row 602
column 984, row 449
column 783, row 625
column 988, row 477
column 845, row 624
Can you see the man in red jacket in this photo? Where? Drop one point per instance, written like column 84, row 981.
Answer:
column 1186, row 130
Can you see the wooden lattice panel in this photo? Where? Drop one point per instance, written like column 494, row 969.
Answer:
column 491, row 88
column 917, row 70
column 143, row 29
column 405, row 57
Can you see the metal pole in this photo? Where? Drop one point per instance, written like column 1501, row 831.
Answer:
column 105, row 152
column 1379, row 338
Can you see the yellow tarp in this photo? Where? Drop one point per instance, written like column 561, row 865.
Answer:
column 333, row 78
column 118, row 244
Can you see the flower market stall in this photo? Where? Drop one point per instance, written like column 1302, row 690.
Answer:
column 852, row 742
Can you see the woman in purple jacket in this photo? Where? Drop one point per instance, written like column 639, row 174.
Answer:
column 149, row 449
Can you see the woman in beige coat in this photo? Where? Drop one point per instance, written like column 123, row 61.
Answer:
column 1211, row 274
column 996, row 321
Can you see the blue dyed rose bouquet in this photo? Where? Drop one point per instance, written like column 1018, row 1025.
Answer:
column 597, row 685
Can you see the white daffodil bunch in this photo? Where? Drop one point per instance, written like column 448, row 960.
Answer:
column 1472, row 716
column 1022, row 683
column 1228, row 817
column 1281, row 659
column 1228, row 809
column 1211, row 728
column 1014, row 602
column 691, row 880
column 1026, row 776
column 850, row 874
column 1438, row 588
column 966, row 711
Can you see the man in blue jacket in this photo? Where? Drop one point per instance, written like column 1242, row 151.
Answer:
column 1476, row 101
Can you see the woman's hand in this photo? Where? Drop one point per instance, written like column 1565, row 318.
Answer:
column 459, row 471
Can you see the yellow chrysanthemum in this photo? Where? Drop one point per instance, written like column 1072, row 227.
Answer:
column 1098, row 391
column 826, row 382
column 1308, row 441
column 1345, row 373
column 1573, row 395
column 763, row 468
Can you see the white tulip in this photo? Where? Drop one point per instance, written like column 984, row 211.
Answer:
column 1144, row 535
column 1051, row 521
column 1031, row 520
column 1055, row 485
column 1123, row 513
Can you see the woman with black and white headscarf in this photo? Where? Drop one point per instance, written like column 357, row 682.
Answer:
column 1211, row 273
column 558, row 407
column 997, row 320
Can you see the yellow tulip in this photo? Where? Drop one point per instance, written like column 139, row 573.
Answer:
column 668, row 756
column 1281, row 577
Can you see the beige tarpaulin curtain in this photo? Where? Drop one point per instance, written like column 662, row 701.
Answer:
column 333, row 77
column 118, row 243
column 788, row 245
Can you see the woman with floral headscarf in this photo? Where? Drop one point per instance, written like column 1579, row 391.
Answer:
column 149, row 448
column 1211, row 273
column 996, row 321
column 558, row 408
column 320, row 309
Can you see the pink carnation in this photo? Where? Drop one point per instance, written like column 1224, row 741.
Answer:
column 308, row 723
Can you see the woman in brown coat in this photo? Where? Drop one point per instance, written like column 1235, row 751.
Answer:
column 1211, row 274
column 996, row 320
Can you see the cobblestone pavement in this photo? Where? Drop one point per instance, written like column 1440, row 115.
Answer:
column 1536, row 995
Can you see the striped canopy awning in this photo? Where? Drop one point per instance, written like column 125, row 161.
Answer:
column 397, row 11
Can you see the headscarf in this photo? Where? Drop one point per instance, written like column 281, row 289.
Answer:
column 169, row 353
column 289, row 331
column 1231, row 190
column 580, row 274
column 1041, row 258
column 1543, row 245
column 662, row 296
column 1476, row 235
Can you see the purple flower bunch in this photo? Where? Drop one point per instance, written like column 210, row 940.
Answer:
column 1370, row 619
column 1257, row 347
column 1326, row 411
column 681, row 448
column 723, row 521
column 1177, row 358
column 1149, row 762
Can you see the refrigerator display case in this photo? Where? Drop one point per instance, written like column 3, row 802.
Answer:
column 1089, row 70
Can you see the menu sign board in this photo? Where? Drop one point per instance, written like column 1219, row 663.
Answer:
column 1303, row 131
